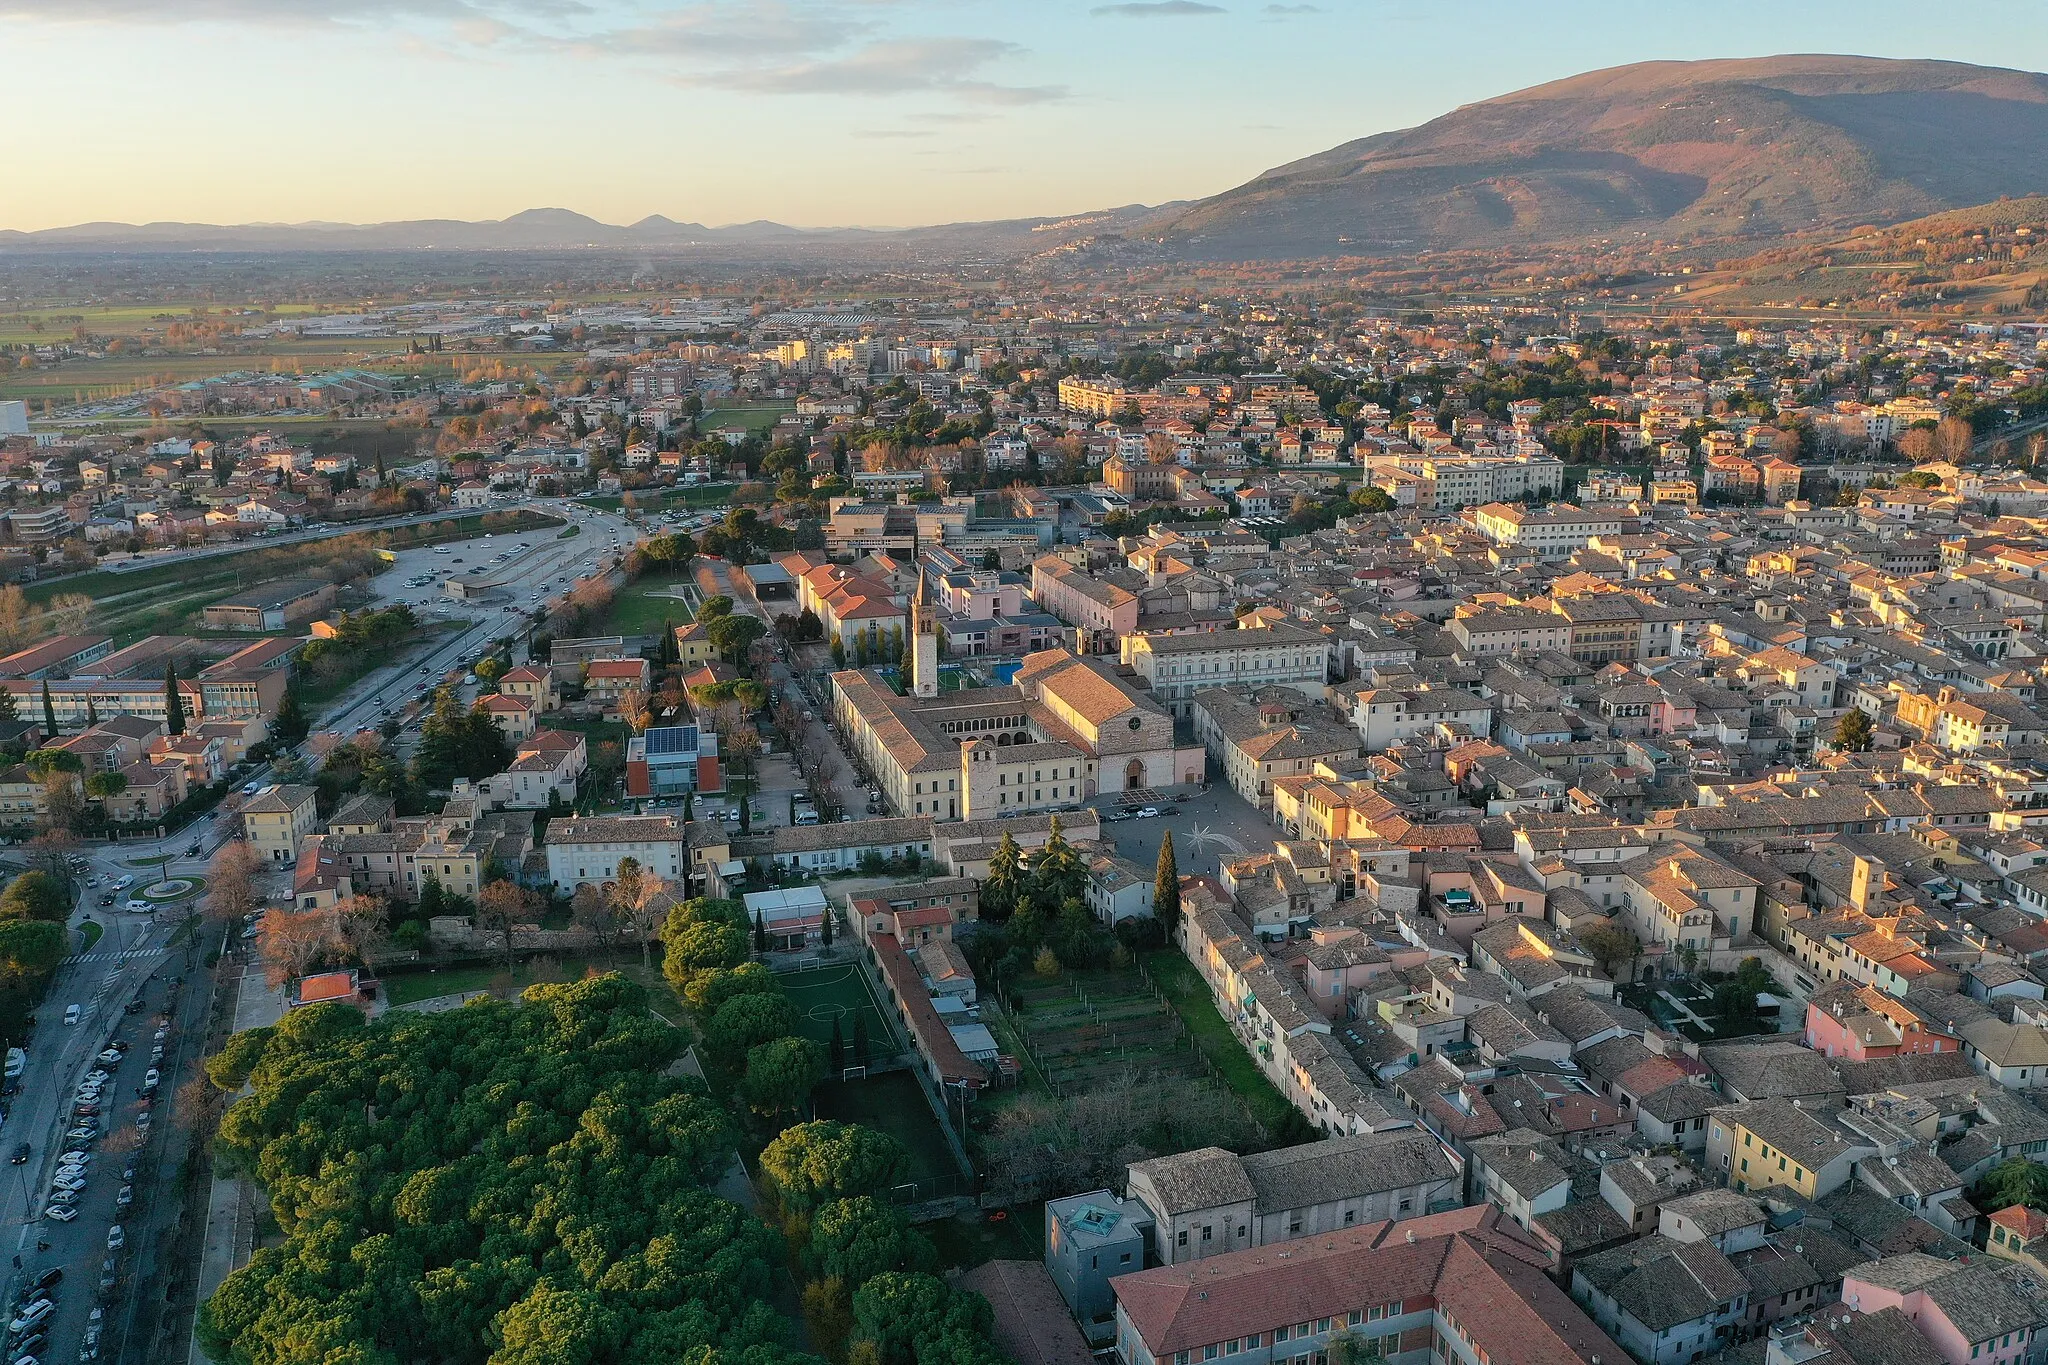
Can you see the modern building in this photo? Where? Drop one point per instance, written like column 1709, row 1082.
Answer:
column 271, row 606
column 1089, row 1240
column 670, row 760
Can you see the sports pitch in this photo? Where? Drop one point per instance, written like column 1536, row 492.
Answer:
column 838, row 992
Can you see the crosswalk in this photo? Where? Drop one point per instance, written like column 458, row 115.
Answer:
column 114, row 955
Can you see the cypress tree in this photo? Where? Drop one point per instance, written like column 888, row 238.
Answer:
column 49, row 712
column 7, row 711
column 825, row 935
column 92, row 711
column 1166, row 886
column 835, row 1051
column 760, row 934
column 174, row 702
column 860, row 1040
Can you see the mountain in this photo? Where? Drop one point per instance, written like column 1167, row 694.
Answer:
column 1671, row 150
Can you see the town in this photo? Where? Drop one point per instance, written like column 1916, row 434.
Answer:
column 1437, row 759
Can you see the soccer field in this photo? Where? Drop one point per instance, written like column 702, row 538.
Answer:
column 839, row 992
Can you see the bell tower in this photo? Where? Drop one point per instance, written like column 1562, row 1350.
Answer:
column 924, row 646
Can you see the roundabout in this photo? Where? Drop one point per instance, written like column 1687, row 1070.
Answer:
column 172, row 889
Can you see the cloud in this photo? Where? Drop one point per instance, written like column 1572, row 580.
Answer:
column 1157, row 9
column 892, row 133
column 290, row 12
column 1284, row 11
column 889, row 67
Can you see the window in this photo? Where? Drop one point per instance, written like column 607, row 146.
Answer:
column 1182, row 1240
column 1230, row 1347
column 1205, row 1233
column 1280, row 1334
column 1208, row 1353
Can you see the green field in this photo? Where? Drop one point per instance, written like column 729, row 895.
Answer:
column 824, row 994
column 1183, row 987
column 752, row 416
column 642, row 606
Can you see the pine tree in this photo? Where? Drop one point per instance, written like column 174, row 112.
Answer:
column 760, row 934
column 746, row 813
column 49, row 713
column 174, row 702
column 432, row 901
column 1854, row 732
column 290, row 726
column 835, row 1051
column 1005, row 875
column 1166, row 886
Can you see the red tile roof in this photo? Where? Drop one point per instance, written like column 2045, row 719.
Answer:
column 1471, row 1265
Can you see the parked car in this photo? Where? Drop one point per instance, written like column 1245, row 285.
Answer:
column 116, row 1238
column 71, row 1014
column 20, row 1157
column 32, row 1314
column 62, row 1213
column 50, row 1279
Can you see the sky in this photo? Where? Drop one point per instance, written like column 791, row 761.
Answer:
column 807, row 112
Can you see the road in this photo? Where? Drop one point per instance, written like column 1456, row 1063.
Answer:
column 140, row 957
column 150, row 559
column 540, row 574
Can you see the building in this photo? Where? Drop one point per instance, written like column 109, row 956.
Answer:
column 1176, row 667
column 1988, row 1312
column 1102, row 611
column 272, row 606
column 1555, row 532
column 276, row 818
column 1210, row 1202
column 669, row 760
column 1089, row 1240
column 1066, row 728
column 1457, row 1288
column 1260, row 736
column 1386, row 716
column 586, row 852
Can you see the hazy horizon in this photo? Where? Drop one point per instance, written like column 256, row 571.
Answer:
column 811, row 113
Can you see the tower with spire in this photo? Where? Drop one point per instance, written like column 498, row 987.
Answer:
column 924, row 646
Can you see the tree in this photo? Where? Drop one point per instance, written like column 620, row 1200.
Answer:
column 709, row 990
column 174, row 701
column 103, row 785
column 1351, row 1348
column 1854, row 732
column 911, row 1318
column 433, row 899
column 780, row 1075
column 592, row 911
column 505, row 908
column 293, row 942
column 2015, row 1181
column 731, row 635
column 1000, row 889
column 362, row 926
column 35, row 896
column 232, row 892
column 63, row 800
column 1057, row 873
column 289, row 727
column 854, row 1240
column 745, row 1022
column 1612, row 945
column 31, row 948
column 641, row 903
column 7, row 705
column 810, row 1164
column 835, row 1051
column 697, row 937
column 713, row 608
column 1166, row 886
column 50, row 730
column 760, row 934
column 825, row 929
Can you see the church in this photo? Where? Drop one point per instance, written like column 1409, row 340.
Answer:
column 1065, row 730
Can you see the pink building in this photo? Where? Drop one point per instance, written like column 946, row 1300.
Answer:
column 1862, row 1022
column 1982, row 1313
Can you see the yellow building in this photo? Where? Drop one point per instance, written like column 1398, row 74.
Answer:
column 276, row 818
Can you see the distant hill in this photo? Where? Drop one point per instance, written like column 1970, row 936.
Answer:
column 1758, row 147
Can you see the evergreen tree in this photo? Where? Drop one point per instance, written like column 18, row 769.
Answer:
column 825, row 933
column 92, row 711
column 289, row 728
column 1005, row 877
column 860, row 1040
column 174, row 702
column 835, row 1052
column 7, row 711
column 49, row 713
column 760, row 934
column 1057, row 874
column 433, row 901
column 1854, row 731
column 746, row 813
column 1166, row 886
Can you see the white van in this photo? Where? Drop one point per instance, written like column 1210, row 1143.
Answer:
column 807, row 817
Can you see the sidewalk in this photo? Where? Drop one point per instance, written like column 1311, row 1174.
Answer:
column 232, row 1211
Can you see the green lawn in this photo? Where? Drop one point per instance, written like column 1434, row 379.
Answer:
column 642, row 605
column 416, row 986
column 752, row 416
column 1184, row 988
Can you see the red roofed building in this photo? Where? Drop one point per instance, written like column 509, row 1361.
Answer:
column 609, row 679
column 1468, row 1286
column 911, row 1001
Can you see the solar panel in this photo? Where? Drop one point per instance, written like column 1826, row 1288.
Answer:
column 672, row 739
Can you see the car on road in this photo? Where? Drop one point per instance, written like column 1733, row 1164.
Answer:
column 126, row 880
column 107, row 899
column 139, row 906
column 116, row 1238
column 192, row 850
column 70, row 1014
column 1145, row 813
column 20, row 1156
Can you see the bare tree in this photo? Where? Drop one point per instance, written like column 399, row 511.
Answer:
column 63, row 801
column 232, row 891
column 1955, row 437
column 592, row 910
column 641, row 900
column 292, row 941
column 2037, row 446
column 362, row 924
column 507, row 908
